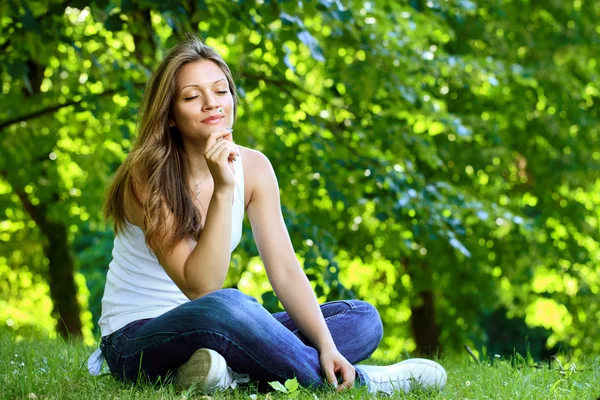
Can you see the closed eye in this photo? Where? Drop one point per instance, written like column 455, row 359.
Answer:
column 221, row 93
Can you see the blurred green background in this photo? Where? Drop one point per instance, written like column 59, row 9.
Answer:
column 438, row 159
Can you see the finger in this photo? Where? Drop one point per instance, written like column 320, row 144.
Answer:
column 212, row 138
column 210, row 151
column 331, row 378
column 348, row 375
column 235, row 154
column 216, row 149
column 230, row 150
column 226, row 153
column 229, row 137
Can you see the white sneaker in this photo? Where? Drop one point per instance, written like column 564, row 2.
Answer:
column 405, row 375
column 209, row 371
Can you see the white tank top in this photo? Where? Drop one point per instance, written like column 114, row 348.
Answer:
column 137, row 287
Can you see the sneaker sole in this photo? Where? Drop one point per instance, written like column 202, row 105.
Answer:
column 440, row 371
column 204, row 368
column 440, row 376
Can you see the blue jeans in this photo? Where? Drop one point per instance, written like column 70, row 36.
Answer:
column 268, row 347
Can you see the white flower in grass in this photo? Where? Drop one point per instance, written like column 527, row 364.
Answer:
column 468, row 383
column 253, row 396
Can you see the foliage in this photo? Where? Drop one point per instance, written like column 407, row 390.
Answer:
column 437, row 158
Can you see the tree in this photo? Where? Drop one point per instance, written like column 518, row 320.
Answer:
column 435, row 158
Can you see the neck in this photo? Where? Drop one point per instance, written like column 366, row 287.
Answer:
column 194, row 153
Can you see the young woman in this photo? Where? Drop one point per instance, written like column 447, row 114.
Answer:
column 178, row 202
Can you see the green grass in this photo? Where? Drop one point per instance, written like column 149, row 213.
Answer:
column 53, row 369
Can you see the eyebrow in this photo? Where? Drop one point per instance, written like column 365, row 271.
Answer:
column 199, row 85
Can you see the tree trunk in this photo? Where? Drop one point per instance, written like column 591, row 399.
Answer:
column 63, row 288
column 61, row 267
column 425, row 329
column 426, row 332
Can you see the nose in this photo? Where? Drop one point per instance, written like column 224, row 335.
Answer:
column 211, row 103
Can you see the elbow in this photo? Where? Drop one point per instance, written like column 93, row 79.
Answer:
column 197, row 293
column 198, row 286
column 195, row 290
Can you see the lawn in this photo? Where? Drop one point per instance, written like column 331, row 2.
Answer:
column 53, row 369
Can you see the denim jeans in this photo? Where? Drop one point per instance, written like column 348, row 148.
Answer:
column 268, row 347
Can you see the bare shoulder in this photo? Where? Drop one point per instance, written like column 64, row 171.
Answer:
column 257, row 170
column 252, row 157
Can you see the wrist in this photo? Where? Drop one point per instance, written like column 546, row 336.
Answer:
column 223, row 191
column 326, row 346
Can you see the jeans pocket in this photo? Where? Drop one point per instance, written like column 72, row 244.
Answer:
column 113, row 344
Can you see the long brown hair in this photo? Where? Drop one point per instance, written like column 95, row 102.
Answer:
column 156, row 165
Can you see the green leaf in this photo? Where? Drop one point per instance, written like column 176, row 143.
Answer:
column 419, row 127
column 436, row 128
column 291, row 384
column 278, row 386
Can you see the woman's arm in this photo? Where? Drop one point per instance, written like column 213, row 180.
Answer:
column 204, row 269
column 199, row 267
column 277, row 253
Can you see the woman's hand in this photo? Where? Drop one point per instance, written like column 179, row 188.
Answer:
column 334, row 363
column 220, row 153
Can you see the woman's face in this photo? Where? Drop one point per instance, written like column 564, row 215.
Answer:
column 201, row 88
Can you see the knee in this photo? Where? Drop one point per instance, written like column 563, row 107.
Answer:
column 229, row 294
column 229, row 304
column 371, row 321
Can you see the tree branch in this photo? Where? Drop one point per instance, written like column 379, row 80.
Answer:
column 54, row 108
column 286, row 85
column 473, row 356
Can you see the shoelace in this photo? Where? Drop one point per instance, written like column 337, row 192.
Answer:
column 231, row 379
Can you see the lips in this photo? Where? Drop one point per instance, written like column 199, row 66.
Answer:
column 214, row 118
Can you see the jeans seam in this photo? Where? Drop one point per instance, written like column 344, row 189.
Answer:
column 286, row 320
column 352, row 307
column 334, row 316
column 135, row 338
column 125, row 357
column 331, row 317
